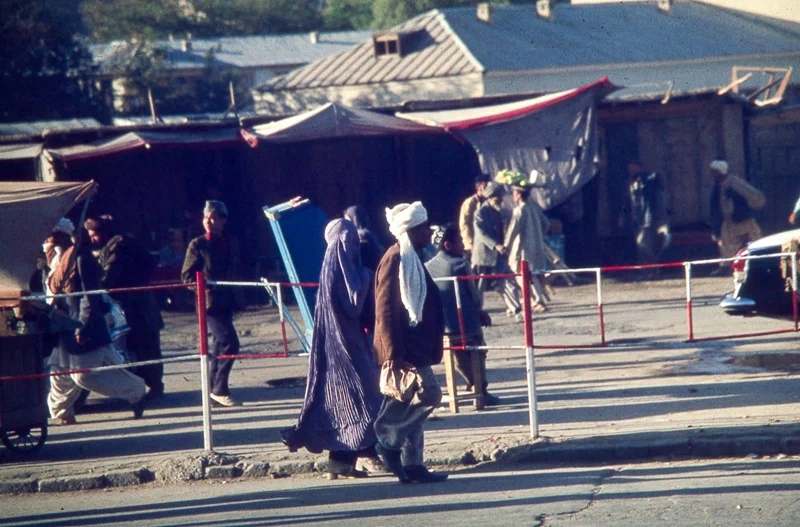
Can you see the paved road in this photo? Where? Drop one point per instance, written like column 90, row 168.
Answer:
column 647, row 386
column 712, row 493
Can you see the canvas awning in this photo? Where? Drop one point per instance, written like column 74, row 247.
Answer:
column 144, row 139
column 332, row 121
column 18, row 151
column 28, row 213
column 555, row 134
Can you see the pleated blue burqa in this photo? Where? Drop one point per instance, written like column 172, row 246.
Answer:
column 342, row 395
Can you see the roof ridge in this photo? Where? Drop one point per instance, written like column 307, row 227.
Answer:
column 460, row 43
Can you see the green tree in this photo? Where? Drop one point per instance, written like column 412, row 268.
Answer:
column 156, row 19
column 175, row 93
column 45, row 71
column 347, row 14
column 252, row 17
column 388, row 13
column 144, row 19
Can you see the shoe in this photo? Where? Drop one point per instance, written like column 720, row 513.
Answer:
column 519, row 317
column 224, row 400
column 64, row 421
column 154, row 396
column 539, row 308
column 337, row 469
column 138, row 408
column 490, row 400
column 391, row 458
column 420, row 474
column 371, row 465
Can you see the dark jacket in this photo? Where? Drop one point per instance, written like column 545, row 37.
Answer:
column 395, row 339
column 126, row 263
column 488, row 234
column 88, row 310
column 444, row 265
column 741, row 210
column 218, row 260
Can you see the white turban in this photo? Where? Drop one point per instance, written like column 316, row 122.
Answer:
column 413, row 288
column 720, row 165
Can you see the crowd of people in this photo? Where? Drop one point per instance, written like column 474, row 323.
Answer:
column 382, row 319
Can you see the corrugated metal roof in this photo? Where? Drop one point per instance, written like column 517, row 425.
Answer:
column 38, row 127
column 517, row 39
column 454, row 42
column 430, row 49
column 241, row 52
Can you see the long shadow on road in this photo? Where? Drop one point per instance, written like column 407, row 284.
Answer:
column 487, row 487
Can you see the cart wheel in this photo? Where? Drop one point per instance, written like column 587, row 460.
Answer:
column 25, row 440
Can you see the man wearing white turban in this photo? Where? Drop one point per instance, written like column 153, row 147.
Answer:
column 408, row 336
column 733, row 201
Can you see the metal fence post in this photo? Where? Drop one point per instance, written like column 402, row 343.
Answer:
column 689, row 318
column 599, row 280
column 202, row 322
column 529, row 359
column 794, row 291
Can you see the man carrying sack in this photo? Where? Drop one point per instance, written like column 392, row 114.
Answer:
column 733, row 201
column 408, row 341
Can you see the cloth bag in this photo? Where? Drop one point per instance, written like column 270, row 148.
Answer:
column 398, row 383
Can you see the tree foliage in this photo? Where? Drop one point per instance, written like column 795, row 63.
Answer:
column 347, row 14
column 155, row 19
column 208, row 92
column 44, row 70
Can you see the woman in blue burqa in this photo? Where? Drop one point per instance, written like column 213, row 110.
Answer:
column 342, row 395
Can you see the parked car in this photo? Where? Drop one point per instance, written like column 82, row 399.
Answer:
column 762, row 284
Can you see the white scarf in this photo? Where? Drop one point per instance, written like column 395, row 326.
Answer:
column 413, row 288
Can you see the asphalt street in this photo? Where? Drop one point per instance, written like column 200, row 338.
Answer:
column 710, row 493
column 646, row 395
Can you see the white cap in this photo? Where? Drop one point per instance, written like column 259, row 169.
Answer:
column 720, row 165
column 66, row 226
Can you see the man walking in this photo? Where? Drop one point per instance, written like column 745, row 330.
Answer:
column 733, row 201
column 216, row 255
column 126, row 263
column 74, row 270
column 488, row 254
column 466, row 216
column 408, row 337
column 646, row 213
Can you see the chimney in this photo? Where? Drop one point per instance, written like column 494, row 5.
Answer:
column 484, row 12
column 314, row 36
column 544, row 8
column 665, row 6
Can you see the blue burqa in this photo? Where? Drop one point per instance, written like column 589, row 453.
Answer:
column 342, row 394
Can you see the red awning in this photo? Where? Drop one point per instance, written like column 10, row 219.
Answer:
column 473, row 118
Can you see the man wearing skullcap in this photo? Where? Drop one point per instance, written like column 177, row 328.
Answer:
column 126, row 263
column 733, row 201
column 216, row 255
column 408, row 337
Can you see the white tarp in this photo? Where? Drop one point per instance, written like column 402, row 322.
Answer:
column 28, row 213
column 555, row 134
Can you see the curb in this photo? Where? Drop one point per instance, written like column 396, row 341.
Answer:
column 224, row 467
